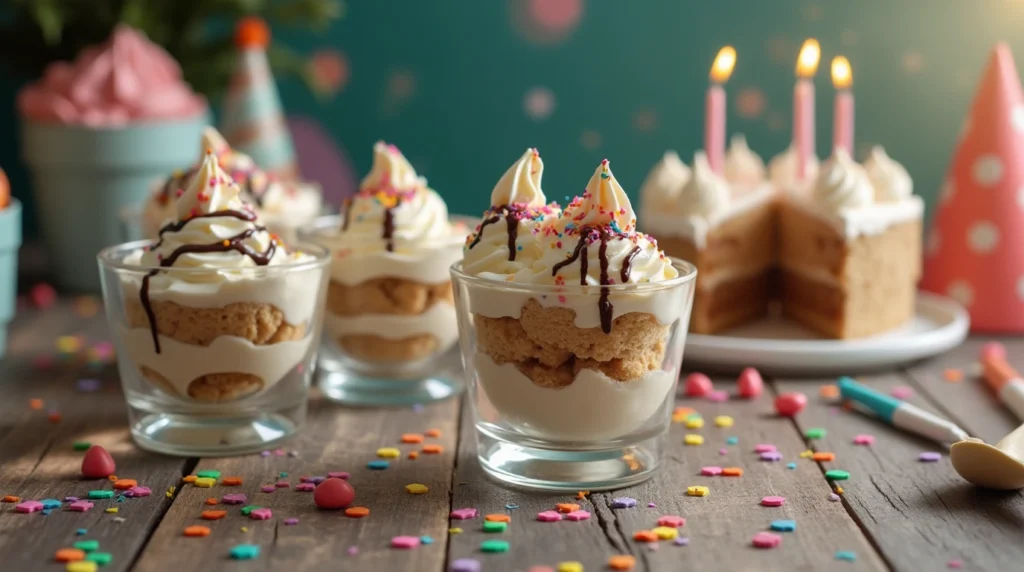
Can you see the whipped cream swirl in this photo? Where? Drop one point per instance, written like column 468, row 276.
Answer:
column 891, row 181
column 743, row 167
column 842, row 184
column 603, row 203
column 706, row 194
column 660, row 190
column 521, row 182
column 394, row 210
column 782, row 169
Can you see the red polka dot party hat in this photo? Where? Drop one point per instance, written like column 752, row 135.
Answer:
column 975, row 250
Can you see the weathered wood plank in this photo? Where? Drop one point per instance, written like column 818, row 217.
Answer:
column 720, row 527
column 37, row 460
column 920, row 515
column 335, row 439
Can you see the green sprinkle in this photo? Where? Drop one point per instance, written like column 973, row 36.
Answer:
column 816, row 433
column 837, row 475
column 249, row 508
column 245, row 552
column 101, row 494
column 377, row 465
column 208, row 474
column 495, row 526
column 846, row 555
column 81, row 445
column 494, row 545
column 282, row 474
column 101, row 558
column 87, row 545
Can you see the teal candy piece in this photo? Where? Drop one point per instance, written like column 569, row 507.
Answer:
column 101, row 494
column 10, row 240
column 245, row 552
column 783, row 525
column 50, row 503
column 87, row 545
column 846, row 555
column 101, row 558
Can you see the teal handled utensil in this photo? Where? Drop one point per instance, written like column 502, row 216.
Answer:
column 900, row 413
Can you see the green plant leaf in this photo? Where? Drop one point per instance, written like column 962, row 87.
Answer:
column 49, row 18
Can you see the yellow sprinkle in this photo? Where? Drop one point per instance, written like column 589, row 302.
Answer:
column 81, row 566
column 245, row 529
column 693, row 439
column 697, row 491
column 170, row 491
column 416, row 489
column 570, row 567
column 723, row 421
column 205, row 482
column 388, row 453
column 69, row 344
column 839, row 490
column 694, row 422
column 807, row 454
column 112, row 510
column 454, row 531
column 666, row 532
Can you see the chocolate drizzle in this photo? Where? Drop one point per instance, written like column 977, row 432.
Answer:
column 604, row 306
column 627, row 264
column 389, row 228
column 480, row 233
column 235, row 243
column 513, row 214
column 347, row 215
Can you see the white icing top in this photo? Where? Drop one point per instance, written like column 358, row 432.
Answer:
column 663, row 184
column 603, row 202
column 842, row 184
column 521, row 182
column 782, row 169
column 706, row 194
column 891, row 180
column 743, row 167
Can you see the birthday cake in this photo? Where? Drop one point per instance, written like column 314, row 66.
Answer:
column 840, row 254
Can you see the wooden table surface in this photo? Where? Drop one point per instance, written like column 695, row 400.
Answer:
column 895, row 513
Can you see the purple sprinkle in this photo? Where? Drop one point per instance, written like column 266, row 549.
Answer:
column 343, row 475
column 87, row 385
column 291, row 521
column 417, row 407
column 305, row 487
column 235, row 498
column 306, row 479
column 681, row 541
column 771, row 456
column 70, row 499
column 929, row 457
column 352, row 550
column 718, row 396
column 265, row 454
column 623, row 502
column 833, row 497
column 282, row 484
column 317, row 480
column 465, row 565
column 268, row 488
column 81, row 506
column 139, row 492
column 651, row 505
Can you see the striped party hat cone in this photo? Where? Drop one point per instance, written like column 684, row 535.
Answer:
column 252, row 119
column 975, row 250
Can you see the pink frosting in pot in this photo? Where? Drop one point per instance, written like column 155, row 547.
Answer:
column 126, row 80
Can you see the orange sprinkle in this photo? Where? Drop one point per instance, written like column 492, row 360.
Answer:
column 645, row 536
column 414, row 454
column 412, row 438
column 839, row 490
column 432, row 449
column 953, row 375
column 732, row 472
column 214, row 514
column 621, row 562
column 54, row 417
column 498, row 518
column 567, row 507
column 433, row 433
column 125, row 484
column 197, row 530
column 211, row 501
column 69, row 555
column 823, row 456
column 829, row 391
column 582, row 494
column 112, row 478
column 12, row 498
column 190, row 479
column 847, row 406
column 35, row 403
column 231, row 481
column 357, row 511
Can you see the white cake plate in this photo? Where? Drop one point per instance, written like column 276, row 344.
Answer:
column 779, row 347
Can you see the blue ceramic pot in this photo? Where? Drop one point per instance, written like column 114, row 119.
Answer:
column 83, row 178
column 10, row 240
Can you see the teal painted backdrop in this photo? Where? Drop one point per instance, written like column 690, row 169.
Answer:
column 463, row 86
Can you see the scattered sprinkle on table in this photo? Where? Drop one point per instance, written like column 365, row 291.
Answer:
column 208, row 474
column 455, row 530
column 405, row 542
column 412, row 438
column 352, row 550
column 214, row 514
column 846, row 555
column 357, row 512
column 863, row 439
column 111, row 510
column 681, row 541
column 837, row 475
column 902, row 392
column 766, row 540
column 671, row 520
column 268, row 488
column 833, row 497
column 212, row 501
column 829, row 391
column 498, row 517
column 204, row 482
column 101, row 558
column 645, row 536
column 11, row 499
column 929, row 457
column 432, row 449
column 623, row 502
column 231, row 481
column 567, row 507
column 732, row 472
column 343, row 475
column 189, row 479
column 697, row 491
column 783, row 525
column 764, row 448
column 98, row 494
column 197, row 530
column 248, row 509
column 571, row 566
column 694, row 422
column 510, row 506
column 771, row 456
column 261, row 514
column 426, row 540
column 666, row 532
column 492, row 526
column 621, row 562
column 69, row 555
column 494, row 546
column 549, row 516
column 238, row 498
column 711, row 471
column 305, row 487
column 50, row 503
column 816, row 433
column 955, row 564
column 823, row 457
column 81, row 532
column 87, row 545
column 435, row 433
column 693, row 439
column 791, row 466
column 388, row 453
column 773, row 501
column 732, row 440
column 377, row 465
column 465, row 565
column 81, row 566
column 416, row 489
column 953, row 375
column 578, row 515
column 81, row 445
column 138, row 492
column 724, row 421
column 463, row 513
column 125, row 484
column 806, row 454
column 245, row 552
column 718, row 396
column 286, row 484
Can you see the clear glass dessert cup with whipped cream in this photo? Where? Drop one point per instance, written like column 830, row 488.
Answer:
column 390, row 323
column 572, row 327
column 216, row 324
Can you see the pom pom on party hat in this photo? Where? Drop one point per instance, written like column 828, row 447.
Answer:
column 975, row 250
column 252, row 119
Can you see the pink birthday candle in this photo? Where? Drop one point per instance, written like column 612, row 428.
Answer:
column 803, row 105
column 842, row 120
column 714, row 108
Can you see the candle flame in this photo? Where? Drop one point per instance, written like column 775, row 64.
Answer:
column 842, row 75
column 725, row 61
column 807, row 61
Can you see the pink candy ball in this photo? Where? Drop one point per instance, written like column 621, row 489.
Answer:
column 789, row 404
column 698, row 385
column 333, row 494
column 750, row 383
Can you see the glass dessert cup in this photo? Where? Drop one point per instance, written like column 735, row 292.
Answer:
column 388, row 339
column 209, row 390
column 558, row 421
